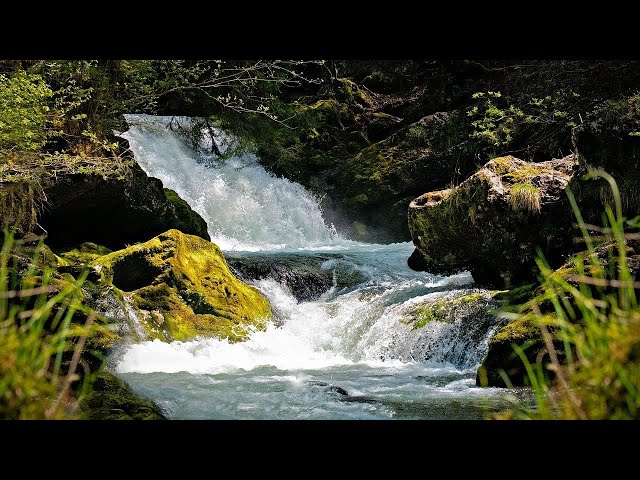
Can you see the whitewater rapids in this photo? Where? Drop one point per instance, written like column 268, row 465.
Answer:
column 348, row 354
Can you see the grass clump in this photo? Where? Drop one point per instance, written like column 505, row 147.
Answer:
column 590, row 324
column 524, row 196
column 43, row 373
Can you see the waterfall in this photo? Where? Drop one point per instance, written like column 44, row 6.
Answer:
column 245, row 207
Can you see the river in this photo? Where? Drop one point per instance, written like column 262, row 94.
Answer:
column 342, row 352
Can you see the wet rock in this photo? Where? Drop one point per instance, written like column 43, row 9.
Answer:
column 492, row 223
column 114, row 211
column 301, row 273
column 185, row 288
column 338, row 390
column 330, row 388
column 450, row 307
column 112, row 399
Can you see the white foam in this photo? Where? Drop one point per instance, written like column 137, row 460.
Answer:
column 360, row 327
column 245, row 207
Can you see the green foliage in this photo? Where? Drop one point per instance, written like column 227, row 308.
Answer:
column 72, row 106
column 24, row 111
column 492, row 124
column 416, row 134
column 57, row 117
column 30, row 167
column 591, row 318
column 634, row 114
column 623, row 113
column 89, row 97
column 496, row 120
column 40, row 343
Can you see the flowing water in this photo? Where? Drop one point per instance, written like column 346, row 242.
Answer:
column 349, row 353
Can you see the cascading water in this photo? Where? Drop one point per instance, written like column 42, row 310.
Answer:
column 245, row 207
column 352, row 353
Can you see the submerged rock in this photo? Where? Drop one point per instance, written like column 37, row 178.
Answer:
column 183, row 288
column 301, row 273
column 492, row 223
column 112, row 399
column 113, row 211
column 330, row 388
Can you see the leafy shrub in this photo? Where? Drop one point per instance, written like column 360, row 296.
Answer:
column 23, row 111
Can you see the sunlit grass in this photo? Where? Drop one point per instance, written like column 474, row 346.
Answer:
column 42, row 371
column 524, row 197
column 590, row 323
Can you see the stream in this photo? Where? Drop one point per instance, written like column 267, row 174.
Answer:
column 340, row 345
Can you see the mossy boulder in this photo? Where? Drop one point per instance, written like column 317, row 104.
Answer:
column 113, row 211
column 182, row 288
column 382, row 178
column 112, row 399
column 452, row 307
column 525, row 332
column 493, row 222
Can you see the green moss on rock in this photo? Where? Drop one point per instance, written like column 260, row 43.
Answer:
column 512, row 300
column 451, row 307
column 446, row 309
column 475, row 226
column 187, row 220
column 85, row 253
column 183, row 288
column 112, row 399
column 524, row 330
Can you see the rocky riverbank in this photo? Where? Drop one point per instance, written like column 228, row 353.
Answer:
column 500, row 220
column 174, row 286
